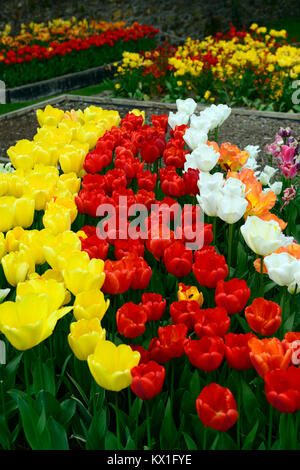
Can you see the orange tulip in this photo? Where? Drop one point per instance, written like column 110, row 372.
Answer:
column 268, row 354
column 231, row 157
column 263, row 316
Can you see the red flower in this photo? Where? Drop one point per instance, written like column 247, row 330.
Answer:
column 263, row 316
column 147, row 198
column 95, row 247
column 206, row 353
column 209, row 268
column 146, row 180
column 237, row 350
column 171, row 183
column 125, row 161
column 147, row 379
column 141, row 271
column 145, row 356
column 217, row 407
column 169, row 344
column 160, row 121
column 211, row 322
column 114, row 180
column 98, row 158
column 268, row 354
column 131, row 319
column 158, row 243
column 125, row 247
column 117, row 277
column 155, row 305
column 190, row 179
column 232, row 295
column 178, row 260
column 174, row 156
column 184, row 311
column 282, row 389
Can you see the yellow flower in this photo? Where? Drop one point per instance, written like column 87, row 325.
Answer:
column 70, row 182
column 21, row 154
column 207, row 94
column 40, row 186
column 137, row 112
column 7, row 213
column 110, row 365
column 13, row 239
column 30, row 320
column 55, row 290
column 50, row 116
column 117, row 86
column 90, row 304
column 68, row 204
column 179, row 83
column 81, row 274
column 84, row 337
column 189, row 293
column 57, row 219
column 17, row 265
column 72, row 156
column 24, row 212
column 2, row 246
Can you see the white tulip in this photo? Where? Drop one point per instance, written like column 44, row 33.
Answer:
column 209, row 202
column 208, row 182
column 231, row 208
column 294, row 287
column 281, row 268
column 205, row 157
column 187, row 106
column 190, row 162
column 194, row 138
column 276, row 187
column 199, row 123
column 234, row 187
column 263, row 237
column 177, row 119
column 266, row 175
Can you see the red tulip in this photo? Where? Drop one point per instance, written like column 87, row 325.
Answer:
column 147, row 379
column 178, row 259
column 95, row 247
column 141, row 271
column 263, row 316
column 145, row 356
column 209, row 268
column 184, row 311
column 237, row 351
column 171, row 183
column 233, row 295
column 131, row 319
column 211, row 322
column 217, row 407
column 158, row 243
column 169, row 344
column 206, row 353
column 117, row 277
column 155, row 305
column 146, row 180
column 125, row 247
column 282, row 389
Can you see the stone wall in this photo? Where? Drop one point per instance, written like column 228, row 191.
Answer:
column 176, row 19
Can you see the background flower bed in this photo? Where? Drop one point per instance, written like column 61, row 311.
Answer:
column 35, row 56
column 94, row 425
column 255, row 68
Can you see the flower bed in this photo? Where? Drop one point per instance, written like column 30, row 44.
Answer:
column 255, row 68
column 151, row 293
column 44, row 53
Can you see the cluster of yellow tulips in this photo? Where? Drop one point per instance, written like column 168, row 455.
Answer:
column 42, row 295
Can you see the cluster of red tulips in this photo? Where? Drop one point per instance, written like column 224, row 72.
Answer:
column 116, row 170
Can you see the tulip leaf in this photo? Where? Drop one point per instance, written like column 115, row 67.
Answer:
column 190, row 443
column 226, row 442
column 67, row 411
column 249, row 401
column 168, row 434
column 249, row 441
column 58, row 435
column 111, row 442
column 96, row 432
column 11, row 370
column 5, row 438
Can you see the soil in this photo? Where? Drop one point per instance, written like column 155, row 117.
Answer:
column 241, row 130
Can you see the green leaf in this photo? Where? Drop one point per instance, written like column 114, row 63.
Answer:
column 190, row 443
column 249, row 441
column 59, row 440
column 168, row 434
column 96, row 433
column 111, row 442
column 5, row 437
column 249, row 401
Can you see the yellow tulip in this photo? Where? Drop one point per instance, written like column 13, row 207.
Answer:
column 82, row 275
column 57, row 220
column 7, row 213
column 50, row 116
column 2, row 245
column 13, row 239
column 30, row 320
column 40, row 187
column 69, row 181
column 110, row 365
column 189, row 293
column 60, row 137
column 17, row 265
column 34, row 240
column 21, row 154
column 24, row 211
column 84, row 337
column 90, row 304
column 15, row 183
column 90, row 133
column 54, row 290
column 3, row 184
column 68, row 204
column 72, row 156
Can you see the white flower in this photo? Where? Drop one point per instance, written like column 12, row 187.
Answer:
column 266, row 175
column 276, row 187
column 294, row 286
column 208, row 182
column 215, row 115
column 253, row 150
column 251, row 163
column 204, row 157
column 281, row 268
column 209, row 202
column 263, row 237
column 234, row 187
column 194, row 138
column 187, row 106
column 190, row 162
column 231, row 208
column 6, row 168
column 177, row 119
column 199, row 123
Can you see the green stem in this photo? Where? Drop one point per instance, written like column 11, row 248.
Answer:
column 214, row 224
column 261, row 288
column 270, row 427
column 238, row 428
column 205, row 438
column 26, row 373
column 117, row 422
column 230, row 235
column 148, row 425
column 4, row 408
